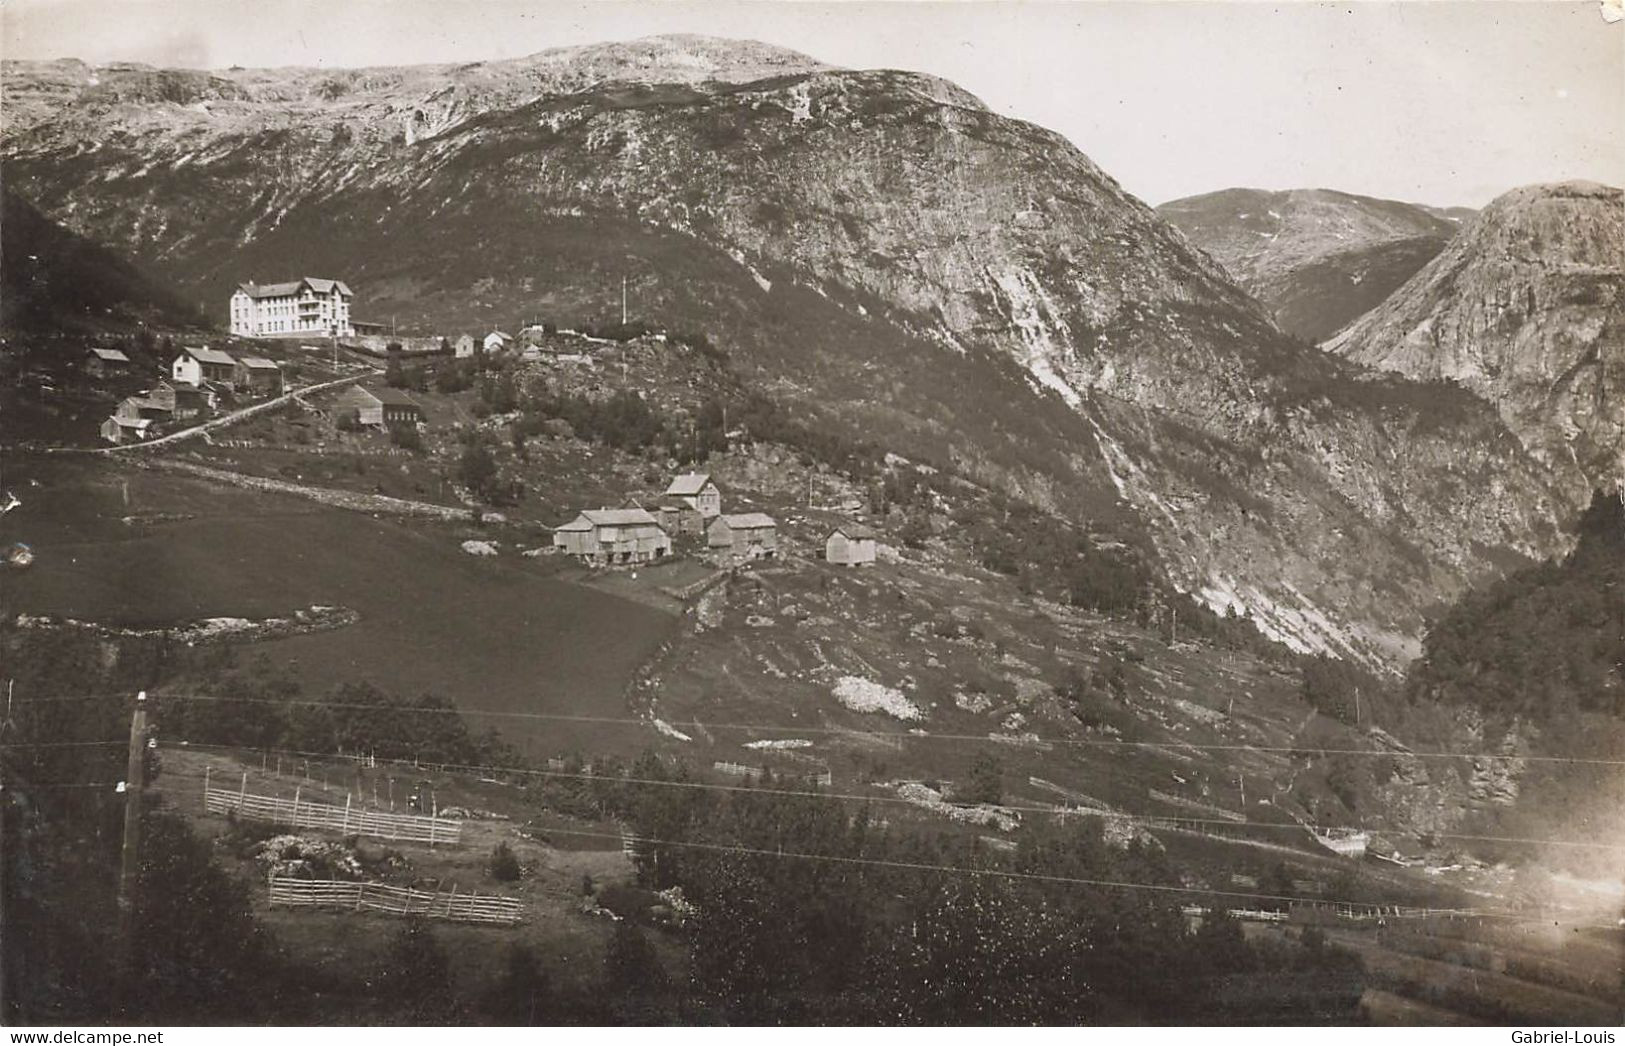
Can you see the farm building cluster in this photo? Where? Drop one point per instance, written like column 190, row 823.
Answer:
column 692, row 505
column 199, row 379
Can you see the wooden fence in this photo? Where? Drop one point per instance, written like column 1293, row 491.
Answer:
column 396, row 900
column 343, row 819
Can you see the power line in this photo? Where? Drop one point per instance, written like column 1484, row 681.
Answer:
column 1068, row 880
column 1167, row 821
column 61, row 744
column 27, row 786
column 1086, row 742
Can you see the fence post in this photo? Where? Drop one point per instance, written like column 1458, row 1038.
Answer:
column 296, row 806
column 242, row 790
column 346, row 813
column 450, row 897
column 207, row 770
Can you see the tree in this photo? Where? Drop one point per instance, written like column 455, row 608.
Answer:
column 415, row 976
column 633, row 976
column 203, row 956
column 504, row 866
column 984, row 783
column 406, row 436
column 477, row 469
column 520, row 995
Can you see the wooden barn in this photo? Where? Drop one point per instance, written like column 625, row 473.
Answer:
column 697, row 491
column 143, row 407
column 184, row 402
column 749, row 535
column 122, row 430
column 104, row 362
column 259, row 374
column 612, row 536
column 850, row 544
column 378, row 407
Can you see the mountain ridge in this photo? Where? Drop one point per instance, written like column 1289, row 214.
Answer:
column 968, row 286
column 1524, row 309
column 1317, row 258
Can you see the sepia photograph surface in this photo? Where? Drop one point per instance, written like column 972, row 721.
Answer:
column 750, row 513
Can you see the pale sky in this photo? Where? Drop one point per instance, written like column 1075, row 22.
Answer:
column 1441, row 102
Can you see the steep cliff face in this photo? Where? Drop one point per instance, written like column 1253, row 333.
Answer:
column 1316, row 258
column 1526, row 309
column 968, row 288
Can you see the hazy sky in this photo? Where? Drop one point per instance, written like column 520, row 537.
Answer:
column 1445, row 103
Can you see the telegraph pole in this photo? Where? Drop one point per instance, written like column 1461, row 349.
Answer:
column 130, row 861
column 623, row 301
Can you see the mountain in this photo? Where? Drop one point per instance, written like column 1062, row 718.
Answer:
column 876, row 248
column 1316, row 258
column 54, row 279
column 1526, row 308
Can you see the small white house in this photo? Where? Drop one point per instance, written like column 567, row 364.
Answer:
column 497, row 341
column 194, row 366
column 463, row 347
column 850, row 544
column 696, row 490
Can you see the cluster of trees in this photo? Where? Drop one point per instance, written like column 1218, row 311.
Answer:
column 351, row 717
column 809, row 912
column 1544, row 642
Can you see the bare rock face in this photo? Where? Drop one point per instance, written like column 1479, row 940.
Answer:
column 967, row 289
column 1316, row 258
column 1526, row 309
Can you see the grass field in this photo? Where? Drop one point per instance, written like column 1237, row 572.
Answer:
column 498, row 635
column 343, row 949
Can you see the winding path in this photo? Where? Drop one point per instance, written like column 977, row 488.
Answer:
column 214, row 423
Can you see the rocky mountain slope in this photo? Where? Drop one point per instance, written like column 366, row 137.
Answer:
column 1316, row 258
column 876, row 246
column 1527, row 309
column 52, row 279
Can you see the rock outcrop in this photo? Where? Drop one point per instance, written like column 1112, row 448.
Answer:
column 1526, row 309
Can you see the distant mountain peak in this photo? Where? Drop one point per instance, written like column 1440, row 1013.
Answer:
column 1526, row 308
column 679, row 58
column 1317, row 258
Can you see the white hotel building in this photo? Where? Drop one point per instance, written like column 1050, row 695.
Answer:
column 309, row 306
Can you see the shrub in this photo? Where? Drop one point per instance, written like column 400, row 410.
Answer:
column 406, row 436
column 504, row 866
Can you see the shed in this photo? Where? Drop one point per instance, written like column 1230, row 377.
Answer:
column 259, row 374
column 102, row 362
column 368, row 408
column 119, row 430
column 399, row 408
column 850, row 544
column 184, row 401
column 749, row 535
column 463, row 347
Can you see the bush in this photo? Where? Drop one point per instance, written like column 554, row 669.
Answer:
column 406, row 436
column 504, row 866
